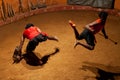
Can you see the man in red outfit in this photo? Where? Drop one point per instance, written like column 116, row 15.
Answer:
column 35, row 35
column 90, row 30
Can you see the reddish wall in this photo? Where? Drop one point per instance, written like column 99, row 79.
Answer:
column 117, row 4
column 48, row 2
column 15, row 4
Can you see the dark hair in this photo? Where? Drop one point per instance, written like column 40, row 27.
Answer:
column 103, row 15
column 28, row 25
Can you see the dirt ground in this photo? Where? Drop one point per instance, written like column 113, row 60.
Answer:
column 69, row 63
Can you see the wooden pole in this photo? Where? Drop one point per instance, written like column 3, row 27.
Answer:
column 2, row 13
column 3, row 10
column 20, row 6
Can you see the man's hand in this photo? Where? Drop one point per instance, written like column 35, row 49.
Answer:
column 56, row 38
column 106, row 37
column 53, row 38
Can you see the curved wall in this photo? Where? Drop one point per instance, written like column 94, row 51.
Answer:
column 117, row 4
column 52, row 5
column 15, row 3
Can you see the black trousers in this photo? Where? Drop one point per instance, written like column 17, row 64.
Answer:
column 87, row 35
column 34, row 42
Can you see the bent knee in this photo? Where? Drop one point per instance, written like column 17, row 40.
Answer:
column 91, row 47
column 79, row 37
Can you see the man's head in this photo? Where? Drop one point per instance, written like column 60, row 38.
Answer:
column 103, row 15
column 28, row 25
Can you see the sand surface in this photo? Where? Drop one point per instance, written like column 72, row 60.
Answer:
column 68, row 63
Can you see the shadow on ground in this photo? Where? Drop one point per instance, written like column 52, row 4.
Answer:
column 33, row 60
column 101, row 71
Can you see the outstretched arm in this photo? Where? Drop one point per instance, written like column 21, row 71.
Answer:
column 22, row 42
column 104, row 32
column 52, row 38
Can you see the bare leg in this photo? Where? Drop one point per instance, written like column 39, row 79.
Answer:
column 77, row 36
column 74, row 28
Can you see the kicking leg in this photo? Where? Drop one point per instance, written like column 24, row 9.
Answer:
column 31, row 46
column 74, row 28
column 77, row 36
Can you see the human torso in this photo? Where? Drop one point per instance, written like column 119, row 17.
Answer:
column 97, row 27
column 31, row 32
